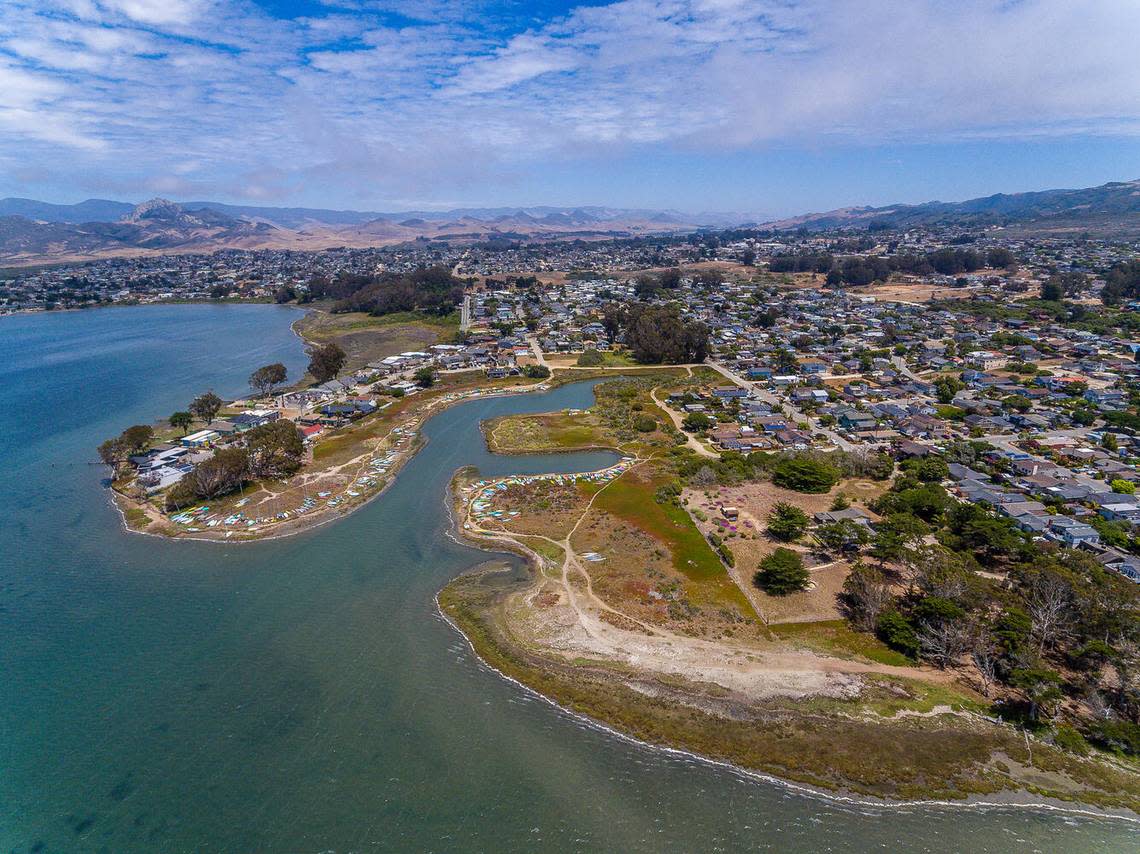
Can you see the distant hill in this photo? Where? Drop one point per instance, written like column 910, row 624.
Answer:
column 155, row 225
column 103, row 210
column 38, row 232
column 92, row 210
column 1113, row 207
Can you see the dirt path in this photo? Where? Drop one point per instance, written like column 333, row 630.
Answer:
column 690, row 439
column 577, row 627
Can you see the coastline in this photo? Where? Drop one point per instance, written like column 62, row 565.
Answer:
column 465, row 603
column 160, row 525
column 1009, row 799
column 299, row 525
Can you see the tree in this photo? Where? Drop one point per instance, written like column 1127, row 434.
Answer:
column 805, row 474
column 999, row 256
column 932, row 469
column 1018, row 403
column 895, row 631
column 1039, row 686
column 695, row 422
column 1052, row 290
column 591, row 359
column 137, row 438
column 222, row 473
column 536, row 372
column 947, row 387
column 424, row 377
column 613, row 318
column 971, row 528
column 644, row 424
column 274, row 450
column 669, row 279
column 786, row 522
column 782, row 572
column 206, row 406
column 181, row 420
column 427, row 289
column 1121, row 282
column 1124, row 487
column 709, row 280
column 842, row 536
column 659, row 334
column 115, row 452
column 865, row 595
column 943, row 634
column 267, row 377
column 326, row 361
column 646, row 286
column 986, row 656
column 1049, row 602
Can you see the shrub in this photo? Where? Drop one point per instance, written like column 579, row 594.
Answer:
column 787, row 522
column 1069, row 739
column 804, row 474
column 695, row 422
column 644, row 424
column 721, row 549
column 895, row 631
column 591, row 359
column 1117, row 736
column 781, row 573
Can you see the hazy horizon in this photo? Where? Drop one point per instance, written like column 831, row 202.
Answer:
column 763, row 107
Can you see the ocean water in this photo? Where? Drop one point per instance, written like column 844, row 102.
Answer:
column 303, row 694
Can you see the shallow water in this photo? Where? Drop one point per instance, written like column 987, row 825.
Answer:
column 303, row 694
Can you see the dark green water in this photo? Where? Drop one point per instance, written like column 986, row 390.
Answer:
column 303, row 695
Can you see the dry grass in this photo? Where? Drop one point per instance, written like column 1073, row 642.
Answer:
column 749, row 544
column 571, row 430
column 368, row 339
column 657, row 565
column 546, row 508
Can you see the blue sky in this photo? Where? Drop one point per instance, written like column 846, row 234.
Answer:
column 766, row 107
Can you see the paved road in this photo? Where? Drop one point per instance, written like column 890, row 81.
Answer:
column 532, row 340
column 900, row 363
column 692, row 441
column 768, row 397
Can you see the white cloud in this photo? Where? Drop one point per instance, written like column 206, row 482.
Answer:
column 158, row 12
column 459, row 91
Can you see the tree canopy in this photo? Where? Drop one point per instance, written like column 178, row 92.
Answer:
column 782, row 572
column 658, row 334
column 206, row 406
column 326, row 361
column 267, row 377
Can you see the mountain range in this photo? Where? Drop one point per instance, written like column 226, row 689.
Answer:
column 1111, row 208
column 40, row 232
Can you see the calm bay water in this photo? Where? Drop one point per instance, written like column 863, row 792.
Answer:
column 303, row 695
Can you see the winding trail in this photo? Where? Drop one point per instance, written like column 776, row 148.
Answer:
column 576, row 628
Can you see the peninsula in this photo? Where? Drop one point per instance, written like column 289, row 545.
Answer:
column 860, row 536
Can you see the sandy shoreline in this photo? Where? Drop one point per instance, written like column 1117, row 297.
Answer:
column 488, row 609
column 1010, row 800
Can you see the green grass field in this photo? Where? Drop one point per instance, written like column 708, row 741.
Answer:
column 693, row 557
column 548, row 431
column 837, row 638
